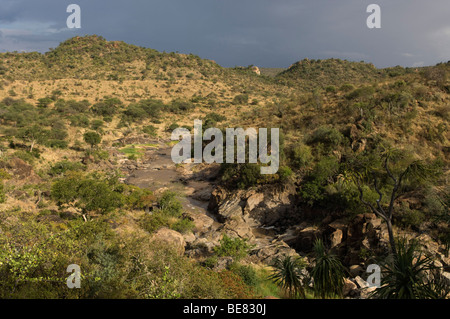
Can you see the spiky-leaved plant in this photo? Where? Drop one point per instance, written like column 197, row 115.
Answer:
column 288, row 275
column 328, row 272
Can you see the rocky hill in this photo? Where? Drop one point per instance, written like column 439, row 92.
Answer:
column 86, row 175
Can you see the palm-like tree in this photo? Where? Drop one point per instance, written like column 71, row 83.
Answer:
column 288, row 275
column 328, row 273
column 411, row 276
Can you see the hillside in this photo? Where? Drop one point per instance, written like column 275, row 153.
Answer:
column 86, row 175
column 322, row 73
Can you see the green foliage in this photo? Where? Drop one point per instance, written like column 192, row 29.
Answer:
column 44, row 102
column 180, row 106
column 328, row 273
column 301, row 156
column 2, row 192
column 172, row 127
column 107, row 107
column 284, row 173
column 247, row 273
column 90, row 193
column 240, row 99
column 183, row 225
column 408, row 276
column 169, row 203
column 92, row 138
column 150, row 108
column 326, row 135
column 241, row 175
column 288, row 275
column 72, row 107
column 64, row 166
column 235, row 247
column 138, row 198
column 150, row 130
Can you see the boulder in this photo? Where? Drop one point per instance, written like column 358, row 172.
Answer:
column 203, row 195
column 237, row 227
column 350, row 289
column 218, row 195
column 171, row 238
column 361, row 282
column 253, row 201
column 277, row 249
column 256, row 70
column 202, row 222
column 230, row 208
column 336, row 238
column 306, row 238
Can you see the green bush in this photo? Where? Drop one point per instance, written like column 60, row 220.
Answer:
column 44, row 102
column 91, row 193
column 240, row 99
column 92, row 138
column 183, row 225
column 301, row 156
column 107, row 107
column 326, row 135
column 170, row 205
column 150, row 130
column 64, row 166
column 284, row 173
column 237, row 248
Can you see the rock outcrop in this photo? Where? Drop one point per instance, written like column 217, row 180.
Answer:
column 171, row 238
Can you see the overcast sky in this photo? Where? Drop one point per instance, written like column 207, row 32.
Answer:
column 267, row 33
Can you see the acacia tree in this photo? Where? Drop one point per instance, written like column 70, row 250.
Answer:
column 92, row 138
column 414, row 169
column 33, row 135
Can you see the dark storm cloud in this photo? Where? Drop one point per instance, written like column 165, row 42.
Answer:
column 243, row 32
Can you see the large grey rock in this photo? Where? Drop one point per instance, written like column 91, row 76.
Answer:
column 253, row 201
column 237, row 227
column 230, row 208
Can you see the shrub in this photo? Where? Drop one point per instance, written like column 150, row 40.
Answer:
column 328, row 272
column 150, row 130
column 92, row 138
column 62, row 167
column 107, row 107
column 172, row 127
column 170, row 205
column 44, row 102
column 288, row 275
column 237, row 248
column 240, row 99
column 97, row 124
column 301, row 156
column 328, row 136
column 91, row 194
column 409, row 277
column 284, row 172
column 2, row 192
column 184, row 225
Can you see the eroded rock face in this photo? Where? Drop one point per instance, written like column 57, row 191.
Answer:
column 171, row 238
